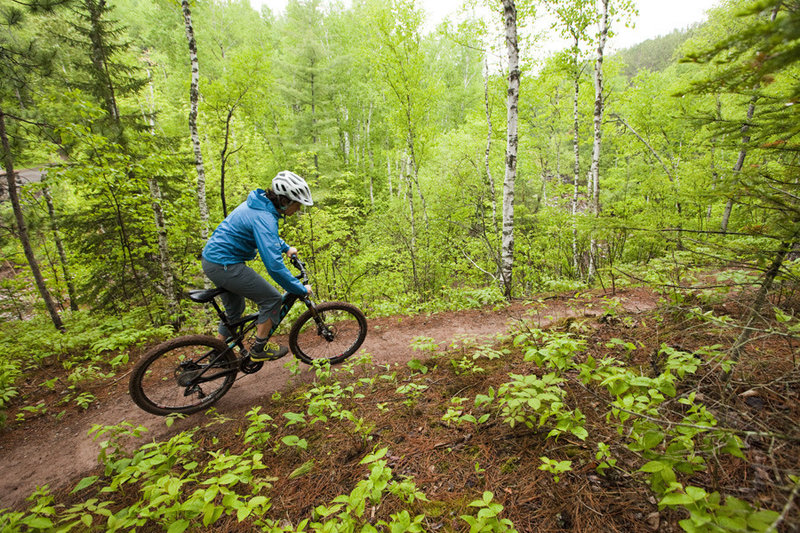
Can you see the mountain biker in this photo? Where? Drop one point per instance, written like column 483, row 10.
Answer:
column 253, row 227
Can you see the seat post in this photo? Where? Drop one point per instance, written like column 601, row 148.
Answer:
column 220, row 312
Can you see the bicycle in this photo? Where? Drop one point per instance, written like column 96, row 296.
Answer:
column 190, row 373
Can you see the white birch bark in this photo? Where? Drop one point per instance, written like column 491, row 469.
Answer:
column 598, row 122
column 507, row 256
column 194, row 94
column 62, row 254
column 576, row 167
column 163, row 249
column 368, row 143
column 389, row 175
column 161, row 227
column 22, row 227
column 489, row 176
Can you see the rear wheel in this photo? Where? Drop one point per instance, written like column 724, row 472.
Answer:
column 183, row 375
column 333, row 331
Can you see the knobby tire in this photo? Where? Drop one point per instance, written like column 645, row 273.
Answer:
column 344, row 325
column 156, row 386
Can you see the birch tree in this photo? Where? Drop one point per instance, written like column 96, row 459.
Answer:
column 574, row 19
column 621, row 9
column 597, row 121
column 62, row 253
column 194, row 96
column 737, row 167
column 161, row 227
column 403, row 66
column 507, row 256
column 22, row 227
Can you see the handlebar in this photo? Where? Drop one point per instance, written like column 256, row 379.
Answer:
column 299, row 265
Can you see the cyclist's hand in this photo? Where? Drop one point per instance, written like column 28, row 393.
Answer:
column 309, row 291
column 291, row 252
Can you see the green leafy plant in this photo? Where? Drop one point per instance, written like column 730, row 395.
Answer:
column 487, row 518
column 85, row 399
column 412, row 392
column 553, row 350
column 424, row 344
column 417, row 366
column 294, row 440
column 256, row 432
column 465, row 365
column 555, row 467
column 34, row 410
column 534, row 401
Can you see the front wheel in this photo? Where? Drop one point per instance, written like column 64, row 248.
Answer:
column 183, row 375
column 332, row 331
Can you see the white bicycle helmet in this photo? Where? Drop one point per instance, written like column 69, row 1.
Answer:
column 292, row 186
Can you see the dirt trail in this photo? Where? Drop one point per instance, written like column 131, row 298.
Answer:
column 55, row 453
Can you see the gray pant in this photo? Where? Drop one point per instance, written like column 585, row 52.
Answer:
column 242, row 282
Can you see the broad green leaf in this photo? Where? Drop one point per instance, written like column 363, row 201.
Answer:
column 82, row 484
column 178, row 527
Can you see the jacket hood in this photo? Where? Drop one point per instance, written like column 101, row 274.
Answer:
column 258, row 200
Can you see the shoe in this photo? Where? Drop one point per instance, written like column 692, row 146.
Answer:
column 267, row 351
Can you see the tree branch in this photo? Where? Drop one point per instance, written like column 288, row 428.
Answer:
column 622, row 121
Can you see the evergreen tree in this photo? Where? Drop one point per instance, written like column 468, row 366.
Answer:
column 21, row 62
column 761, row 62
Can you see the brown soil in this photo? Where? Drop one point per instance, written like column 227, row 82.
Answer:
column 59, row 452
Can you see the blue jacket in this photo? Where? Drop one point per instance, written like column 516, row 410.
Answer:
column 253, row 227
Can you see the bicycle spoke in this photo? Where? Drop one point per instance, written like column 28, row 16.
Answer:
column 335, row 333
column 183, row 375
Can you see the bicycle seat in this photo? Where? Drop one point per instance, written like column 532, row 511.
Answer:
column 204, row 296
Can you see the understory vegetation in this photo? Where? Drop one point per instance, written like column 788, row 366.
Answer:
column 604, row 421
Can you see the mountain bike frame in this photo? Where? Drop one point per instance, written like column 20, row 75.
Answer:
column 241, row 326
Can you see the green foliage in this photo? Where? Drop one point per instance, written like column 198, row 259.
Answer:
column 487, row 518
column 88, row 348
column 389, row 125
column 411, row 392
column 654, row 54
column 426, row 344
column 176, row 486
column 534, row 401
column 555, row 467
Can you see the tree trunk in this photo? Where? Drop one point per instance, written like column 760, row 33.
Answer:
column 163, row 250
column 415, row 167
column 492, row 189
column 224, row 155
column 760, row 299
column 389, row 175
column 507, row 256
column 100, row 60
column 194, row 94
column 368, row 143
column 745, row 140
column 22, row 228
column 598, row 123
column 726, row 215
column 412, row 248
column 576, row 166
column 173, row 308
column 62, row 254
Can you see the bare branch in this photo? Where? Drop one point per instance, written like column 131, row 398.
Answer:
column 647, row 144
